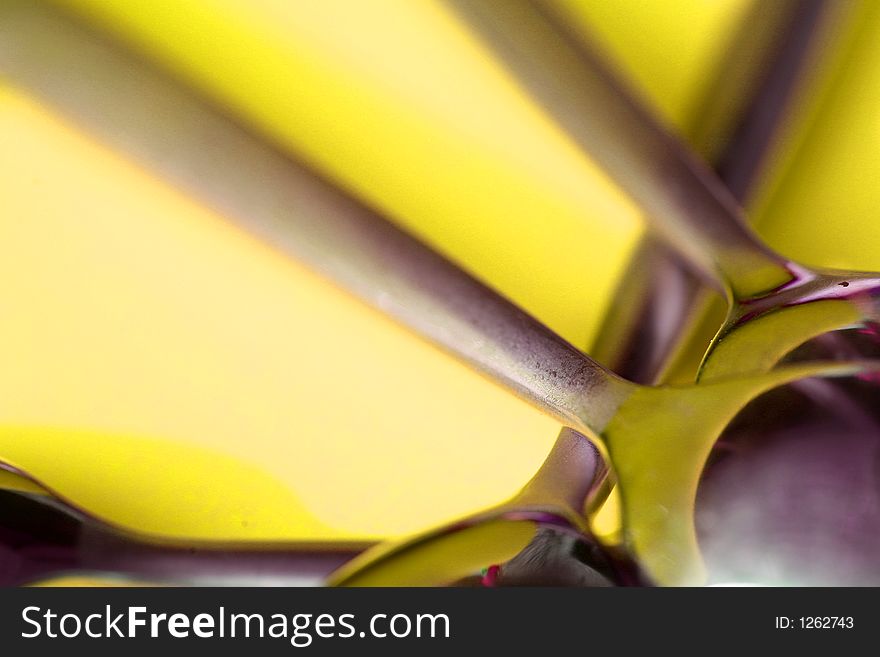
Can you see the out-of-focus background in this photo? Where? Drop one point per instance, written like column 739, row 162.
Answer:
column 172, row 374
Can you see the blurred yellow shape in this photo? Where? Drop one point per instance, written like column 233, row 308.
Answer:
column 398, row 102
column 823, row 206
column 202, row 492
column 129, row 310
column 89, row 581
column 669, row 49
column 12, row 481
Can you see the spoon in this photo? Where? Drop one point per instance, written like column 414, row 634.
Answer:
column 775, row 304
column 793, row 506
column 42, row 536
column 655, row 440
column 667, row 302
column 666, row 308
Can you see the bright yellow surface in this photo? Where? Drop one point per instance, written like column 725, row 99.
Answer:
column 415, row 116
column 398, row 101
column 214, row 367
column 175, row 376
column 669, row 49
column 10, row 481
column 824, row 208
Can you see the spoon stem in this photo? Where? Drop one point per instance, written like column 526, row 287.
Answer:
column 641, row 339
column 41, row 537
column 680, row 195
column 198, row 148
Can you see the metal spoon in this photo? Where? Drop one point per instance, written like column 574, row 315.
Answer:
column 666, row 302
column 44, row 537
column 655, row 439
column 775, row 304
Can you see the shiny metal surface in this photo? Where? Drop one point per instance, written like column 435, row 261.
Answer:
column 42, row 537
column 656, row 439
column 659, row 296
column 685, row 202
column 281, row 201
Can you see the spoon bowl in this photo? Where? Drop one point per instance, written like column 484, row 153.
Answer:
column 790, row 494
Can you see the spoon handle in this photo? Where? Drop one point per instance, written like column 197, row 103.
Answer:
column 300, row 214
column 41, row 537
column 638, row 339
column 682, row 198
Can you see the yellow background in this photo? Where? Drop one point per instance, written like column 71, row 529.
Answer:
column 175, row 376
